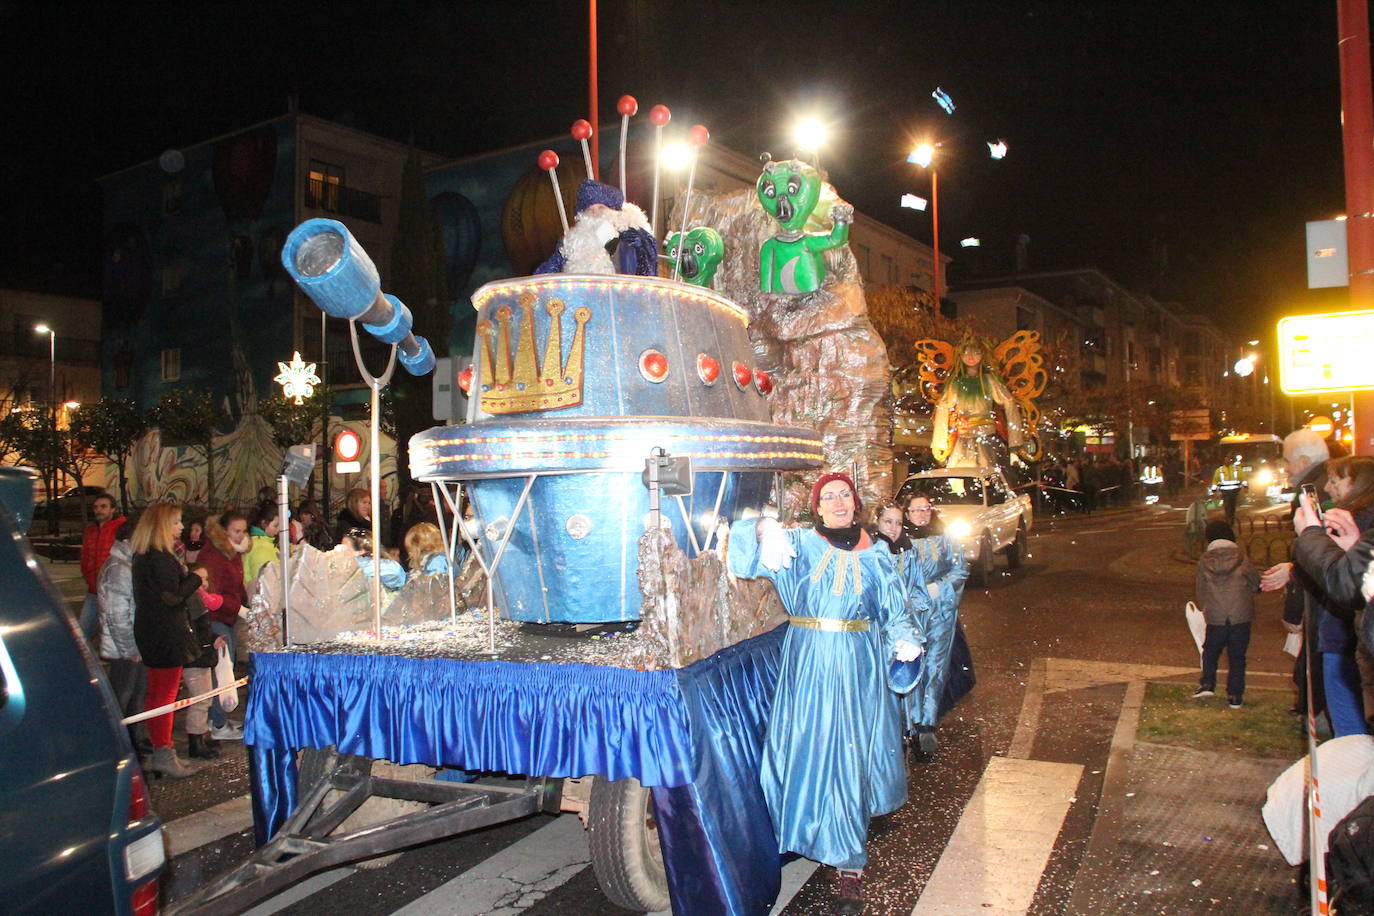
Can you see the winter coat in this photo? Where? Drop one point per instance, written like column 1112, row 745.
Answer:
column 225, row 565
column 348, row 520
column 198, row 608
column 1339, row 573
column 1226, row 584
column 263, row 551
column 95, row 549
column 161, row 626
column 115, row 594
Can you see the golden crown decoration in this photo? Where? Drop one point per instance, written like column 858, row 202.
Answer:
column 521, row 384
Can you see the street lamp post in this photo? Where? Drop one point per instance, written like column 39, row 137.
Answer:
column 924, row 156
column 52, row 364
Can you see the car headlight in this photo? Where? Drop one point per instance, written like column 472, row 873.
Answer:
column 959, row 529
column 1264, row 477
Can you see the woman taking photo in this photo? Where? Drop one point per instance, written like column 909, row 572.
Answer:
column 161, row 628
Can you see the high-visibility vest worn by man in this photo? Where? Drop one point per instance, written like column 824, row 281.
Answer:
column 1228, row 477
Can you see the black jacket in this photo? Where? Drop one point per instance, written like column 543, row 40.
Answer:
column 162, row 629
column 1339, row 573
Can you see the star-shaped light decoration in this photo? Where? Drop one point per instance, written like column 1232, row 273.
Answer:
column 297, row 378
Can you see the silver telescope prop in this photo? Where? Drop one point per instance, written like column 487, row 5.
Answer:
column 330, row 267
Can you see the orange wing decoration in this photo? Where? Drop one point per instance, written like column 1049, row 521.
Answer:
column 1022, row 364
column 935, row 361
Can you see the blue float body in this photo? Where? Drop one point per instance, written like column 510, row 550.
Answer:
column 573, row 551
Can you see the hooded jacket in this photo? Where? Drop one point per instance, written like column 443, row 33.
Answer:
column 224, row 562
column 1226, row 584
column 115, row 592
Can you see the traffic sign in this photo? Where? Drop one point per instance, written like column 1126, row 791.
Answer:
column 1322, row 353
column 348, row 445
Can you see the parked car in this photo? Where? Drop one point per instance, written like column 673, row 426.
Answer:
column 980, row 510
column 77, row 834
column 69, row 502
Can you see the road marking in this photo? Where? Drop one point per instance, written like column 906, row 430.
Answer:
column 297, row 892
column 993, row 862
column 794, row 875
column 1076, row 673
column 1111, row 805
column 513, row 879
column 1029, row 722
column 195, row 830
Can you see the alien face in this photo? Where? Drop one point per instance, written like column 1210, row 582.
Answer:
column 789, row 191
column 701, row 257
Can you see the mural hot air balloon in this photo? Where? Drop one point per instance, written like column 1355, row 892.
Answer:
column 128, row 273
column 243, row 170
column 530, row 227
column 460, row 229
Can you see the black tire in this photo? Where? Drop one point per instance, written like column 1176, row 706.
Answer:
column 626, row 854
column 1016, row 550
column 980, row 574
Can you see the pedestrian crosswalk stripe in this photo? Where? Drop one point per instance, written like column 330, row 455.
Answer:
column 993, row 863
column 215, row 823
column 513, row 879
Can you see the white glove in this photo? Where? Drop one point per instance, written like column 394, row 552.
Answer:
column 934, row 589
column 775, row 550
column 906, row 651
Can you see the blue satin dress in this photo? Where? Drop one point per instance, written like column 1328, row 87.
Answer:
column 938, row 560
column 832, row 755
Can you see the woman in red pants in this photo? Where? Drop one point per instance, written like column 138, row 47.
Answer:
column 162, row 629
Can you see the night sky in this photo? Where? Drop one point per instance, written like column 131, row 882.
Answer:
column 1178, row 146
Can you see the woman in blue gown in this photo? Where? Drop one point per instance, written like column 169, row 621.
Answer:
column 934, row 564
column 833, row 754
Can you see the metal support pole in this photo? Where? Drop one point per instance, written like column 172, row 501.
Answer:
column 935, row 229
column 284, row 547
column 1357, row 132
column 376, row 384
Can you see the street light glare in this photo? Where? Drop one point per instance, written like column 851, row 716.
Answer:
column 997, row 150
column 970, row 242
column 810, row 133
column 922, row 155
column 912, row 202
column 42, row 329
column 676, row 156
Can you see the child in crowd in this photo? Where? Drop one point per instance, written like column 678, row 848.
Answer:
column 425, row 549
column 360, row 542
column 1226, row 587
column 196, row 675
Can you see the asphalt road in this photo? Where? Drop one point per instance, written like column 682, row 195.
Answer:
column 1095, row 594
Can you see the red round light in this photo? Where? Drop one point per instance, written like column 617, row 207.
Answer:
column 742, row 374
column 708, row 368
column 763, row 382
column 698, row 135
column 627, row 106
column 660, row 115
column 347, row 445
column 653, row 365
column 548, row 160
column 581, row 129
column 465, row 379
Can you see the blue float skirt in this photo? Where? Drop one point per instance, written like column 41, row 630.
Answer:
column 694, row 735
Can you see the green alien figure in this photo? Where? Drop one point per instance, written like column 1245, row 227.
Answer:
column 700, row 258
column 791, row 261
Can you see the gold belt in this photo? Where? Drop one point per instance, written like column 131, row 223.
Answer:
column 829, row 624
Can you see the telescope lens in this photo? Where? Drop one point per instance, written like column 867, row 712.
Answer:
column 318, row 254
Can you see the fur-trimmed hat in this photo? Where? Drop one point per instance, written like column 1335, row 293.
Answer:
column 830, row 477
column 591, row 192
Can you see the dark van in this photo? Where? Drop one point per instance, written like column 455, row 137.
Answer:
column 77, row 834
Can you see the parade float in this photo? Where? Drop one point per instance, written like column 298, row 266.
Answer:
column 618, row 421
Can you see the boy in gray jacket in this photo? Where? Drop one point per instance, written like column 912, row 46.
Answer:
column 1226, row 587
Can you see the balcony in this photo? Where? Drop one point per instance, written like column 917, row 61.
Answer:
column 342, row 200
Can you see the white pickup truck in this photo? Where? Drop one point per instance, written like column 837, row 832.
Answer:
column 980, row 510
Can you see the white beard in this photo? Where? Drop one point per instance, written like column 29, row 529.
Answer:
column 584, row 245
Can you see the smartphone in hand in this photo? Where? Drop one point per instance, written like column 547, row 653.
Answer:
column 1311, row 492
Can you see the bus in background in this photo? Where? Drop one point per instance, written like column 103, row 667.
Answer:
column 1261, row 461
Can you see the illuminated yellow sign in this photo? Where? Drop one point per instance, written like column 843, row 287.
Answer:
column 1330, row 352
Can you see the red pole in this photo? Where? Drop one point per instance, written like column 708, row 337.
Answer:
column 935, row 223
column 1357, row 133
column 592, row 92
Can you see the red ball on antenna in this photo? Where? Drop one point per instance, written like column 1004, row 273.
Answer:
column 627, row 106
column 548, row 160
column 698, row 135
column 660, row 115
column 581, row 129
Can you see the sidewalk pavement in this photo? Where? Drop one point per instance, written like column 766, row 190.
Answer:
column 66, row 576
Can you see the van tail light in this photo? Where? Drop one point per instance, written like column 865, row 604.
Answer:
column 138, row 797
column 145, row 899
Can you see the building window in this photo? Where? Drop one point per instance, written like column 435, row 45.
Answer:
column 171, row 364
column 324, row 186
column 171, row 279
column 889, row 269
column 862, row 256
column 171, row 196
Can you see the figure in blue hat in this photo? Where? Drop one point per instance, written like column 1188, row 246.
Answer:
column 608, row 236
